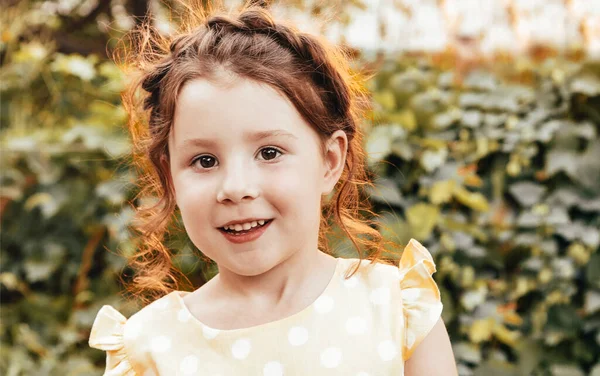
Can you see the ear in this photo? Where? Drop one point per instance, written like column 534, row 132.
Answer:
column 336, row 148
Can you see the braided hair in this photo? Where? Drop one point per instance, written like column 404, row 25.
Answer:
column 250, row 44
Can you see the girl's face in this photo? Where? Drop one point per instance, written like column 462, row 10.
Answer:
column 242, row 158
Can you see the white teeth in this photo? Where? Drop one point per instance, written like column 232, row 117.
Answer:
column 244, row 226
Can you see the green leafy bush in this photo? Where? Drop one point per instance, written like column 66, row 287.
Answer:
column 502, row 182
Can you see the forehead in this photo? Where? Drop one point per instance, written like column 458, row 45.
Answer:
column 209, row 109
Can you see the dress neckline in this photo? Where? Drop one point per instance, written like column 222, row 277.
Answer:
column 331, row 285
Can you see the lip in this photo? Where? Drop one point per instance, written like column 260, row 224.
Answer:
column 245, row 220
column 248, row 237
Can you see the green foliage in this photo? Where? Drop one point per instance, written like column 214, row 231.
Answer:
column 500, row 181
column 65, row 190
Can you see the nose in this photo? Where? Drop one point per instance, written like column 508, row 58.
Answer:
column 238, row 184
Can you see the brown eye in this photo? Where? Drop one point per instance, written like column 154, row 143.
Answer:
column 269, row 153
column 206, row 161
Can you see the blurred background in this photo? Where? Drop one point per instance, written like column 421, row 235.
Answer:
column 483, row 138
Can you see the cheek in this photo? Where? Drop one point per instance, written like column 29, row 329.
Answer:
column 192, row 197
column 294, row 191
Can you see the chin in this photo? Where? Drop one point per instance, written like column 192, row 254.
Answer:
column 252, row 266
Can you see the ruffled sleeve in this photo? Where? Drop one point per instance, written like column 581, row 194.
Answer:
column 421, row 303
column 107, row 335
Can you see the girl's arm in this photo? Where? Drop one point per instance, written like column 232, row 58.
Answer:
column 433, row 356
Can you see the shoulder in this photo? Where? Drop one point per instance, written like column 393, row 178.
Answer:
column 130, row 342
column 371, row 274
column 151, row 327
column 404, row 293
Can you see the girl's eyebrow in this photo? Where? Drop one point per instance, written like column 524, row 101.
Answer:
column 256, row 136
column 272, row 133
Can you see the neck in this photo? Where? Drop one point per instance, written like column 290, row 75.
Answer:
column 302, row 273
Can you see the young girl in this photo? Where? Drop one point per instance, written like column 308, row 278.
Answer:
column 251, row 126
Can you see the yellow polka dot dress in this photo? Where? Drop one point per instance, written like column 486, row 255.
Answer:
column 367, row 325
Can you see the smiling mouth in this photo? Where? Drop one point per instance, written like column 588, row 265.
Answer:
column 238, row 229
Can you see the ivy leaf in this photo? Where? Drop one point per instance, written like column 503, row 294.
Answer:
column 563, row 318
column 422, row 219
column 527, row 193
column 565, row 370
column 592, row 271
column 394, row 229
column 472, row 119
column 587, row 84
column 386, row 191
column 379, row 143
column 432, row 159
column 587, row 171
column 592, row 302
column 496, row 367
column 441, row 192
column 473, row 200
column 48, row 205
column 560, row 160
column 467, row 352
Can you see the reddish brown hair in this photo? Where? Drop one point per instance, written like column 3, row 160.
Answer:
column 313, row 75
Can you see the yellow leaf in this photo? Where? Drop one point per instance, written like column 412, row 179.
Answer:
column 422, row 219
column 467, row 276
column 441, row 192
column 473, row 181
column 545, row 275
column 386, row 99
column 38, row 199
column 473, row 200
column 512, row 318
column 579, row 253
column 405, row 118
column 508, row 337
column 481, row 330
column 433, row 143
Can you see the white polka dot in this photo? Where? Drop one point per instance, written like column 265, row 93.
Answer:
column 387, row 350
column 411, row 294
column 410, row 340
column 324, row 304
column 160, row 344
column 351, row 282
column 189, row 365
column 331, row 357
column 298, row 335
column 133, row 328
column 241, row 348
column 183, row 315
column 380, row 296
column 209, row 333
column 356, row 325
column 273, row 368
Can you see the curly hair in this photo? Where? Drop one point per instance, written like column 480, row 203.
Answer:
column 313, row 75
